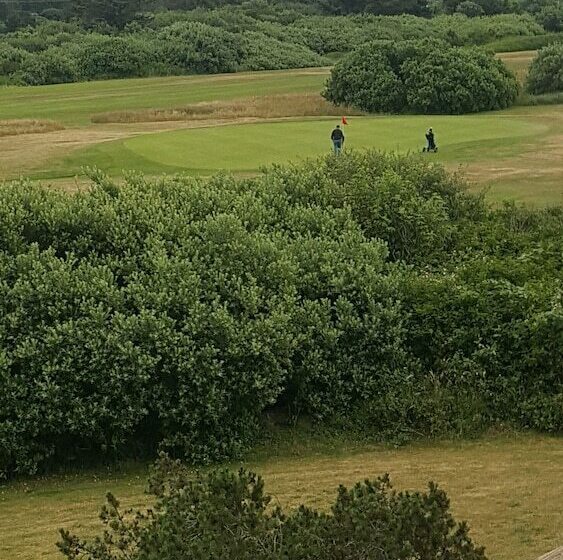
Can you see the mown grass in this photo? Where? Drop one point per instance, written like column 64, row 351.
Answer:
column 247, row 147
column 508, row 488
column 74, row 104
column 133, row 110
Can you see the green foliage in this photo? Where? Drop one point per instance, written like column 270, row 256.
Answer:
column 543, row 99
column 262, row 52
column 250, row 36
column 422, row 77
column 101, row 57
column 470, row 9
column 546, row 70
column 551, row 17
column 51, row 66
column 12, row 59
column 525, row 42
column 226, row 515
column 200, row 48
column 366, row 289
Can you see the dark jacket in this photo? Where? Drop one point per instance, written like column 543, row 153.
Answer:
column 337, row 135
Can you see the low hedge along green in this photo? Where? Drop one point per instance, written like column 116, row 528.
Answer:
column 370, row 292
column 426, row 77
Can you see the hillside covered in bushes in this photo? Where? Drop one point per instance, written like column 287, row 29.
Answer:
column 368, row 292
column 251, row 36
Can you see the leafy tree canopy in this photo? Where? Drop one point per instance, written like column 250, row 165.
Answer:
column 426, row 76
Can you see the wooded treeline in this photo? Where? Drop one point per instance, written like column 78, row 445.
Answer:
column 15, row 14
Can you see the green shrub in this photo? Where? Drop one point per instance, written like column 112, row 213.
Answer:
column 524, row 43
column 12, row 59
column 470, row 9
column 366, row 289
column 546, row 70
column 266, row 53
column 423, row 77
column 199, row 48
column 226, row 515
column 551, row 17
column 101, row 57
column 52, row 66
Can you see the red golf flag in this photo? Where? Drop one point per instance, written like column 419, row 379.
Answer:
column 344, row 121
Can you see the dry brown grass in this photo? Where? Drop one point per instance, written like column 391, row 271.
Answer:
column 266, row 107
column 518, row 62
column 509, row 489
column 17, row 127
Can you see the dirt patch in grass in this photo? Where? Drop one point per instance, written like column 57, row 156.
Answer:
column 265, row 107
column 16, row 127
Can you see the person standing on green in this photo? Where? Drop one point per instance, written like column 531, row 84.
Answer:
column 337, row 138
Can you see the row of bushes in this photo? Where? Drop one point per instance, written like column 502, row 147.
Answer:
column 223, row 40
column 367, row 291
column 425, row 77
column 191, row 48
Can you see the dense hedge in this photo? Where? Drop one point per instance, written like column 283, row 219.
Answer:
column 223, row 515
column 524, row 42
column 421, row 77
column 253, row 36
column 546, row 70
column 367, row 291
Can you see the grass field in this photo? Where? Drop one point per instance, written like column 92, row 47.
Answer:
column 75, row 104
column 247, row 147
column 509, row 489
column 201, row 124
column 517, row 153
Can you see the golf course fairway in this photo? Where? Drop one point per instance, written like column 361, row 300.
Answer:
column 246, row 147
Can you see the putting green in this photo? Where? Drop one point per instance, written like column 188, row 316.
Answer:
column 245, row 148
column 248, row 147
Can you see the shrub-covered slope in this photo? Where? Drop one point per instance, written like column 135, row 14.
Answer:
column 228, row 39
column 368, row 291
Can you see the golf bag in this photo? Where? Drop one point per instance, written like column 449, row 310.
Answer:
column 431, row 144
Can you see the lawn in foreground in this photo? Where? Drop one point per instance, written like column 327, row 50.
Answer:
column 509, row 488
